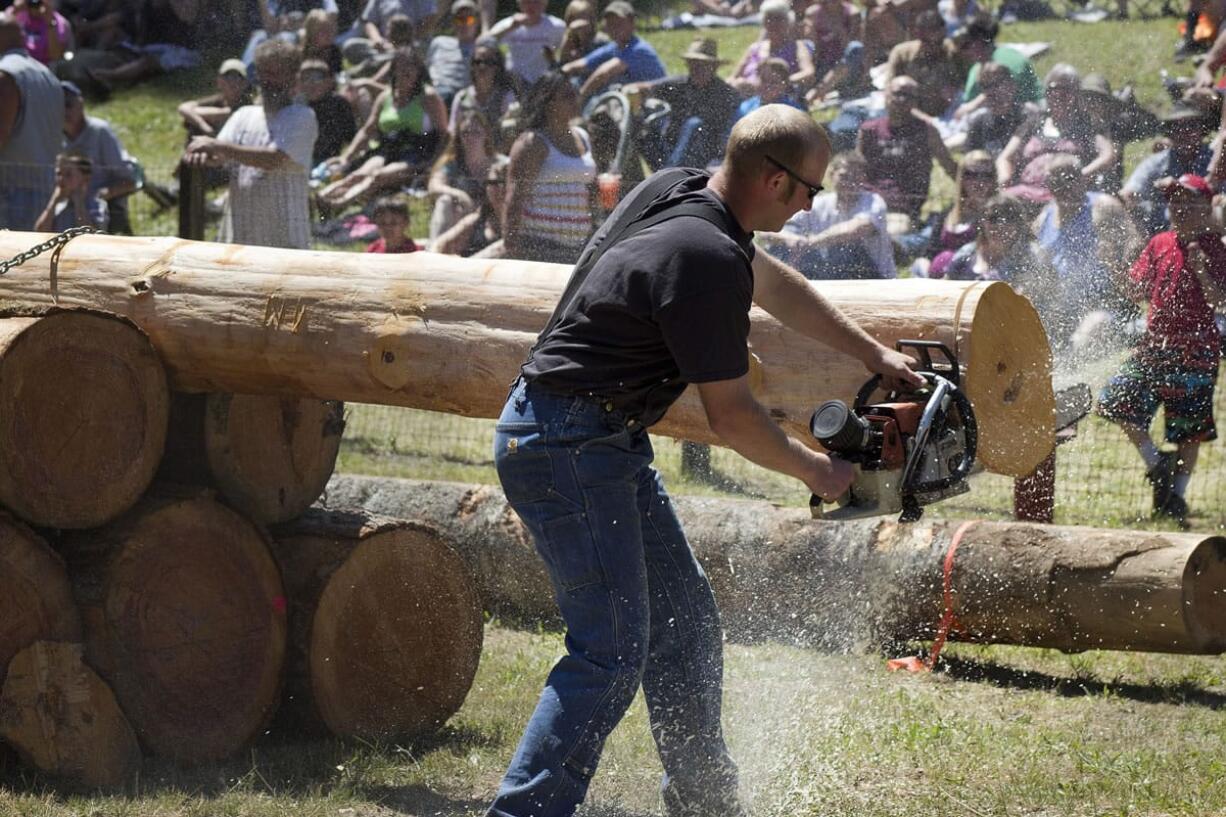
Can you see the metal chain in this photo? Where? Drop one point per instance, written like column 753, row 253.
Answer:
column 50, row 244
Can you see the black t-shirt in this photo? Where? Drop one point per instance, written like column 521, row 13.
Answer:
column 716, row 104
column 336, row 126
column 662, row 308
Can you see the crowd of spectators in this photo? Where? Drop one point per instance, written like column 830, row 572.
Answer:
column 340, row 111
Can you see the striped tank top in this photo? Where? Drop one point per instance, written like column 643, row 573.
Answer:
column 558, row 209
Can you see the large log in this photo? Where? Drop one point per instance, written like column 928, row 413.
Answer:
column 83, row 402
column 385, row 625
column 448, row 334
column 270, row 457
column 184, row 617
column 63, row 719
column 35, row 598
column 850, row 585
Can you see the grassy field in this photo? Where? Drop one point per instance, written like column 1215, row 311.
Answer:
column 1006, row 732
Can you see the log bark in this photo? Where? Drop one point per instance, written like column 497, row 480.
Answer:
column 64, row 720
column 448, row 334
column 184, row 617
column 270, row 457
column 83, row 404
column 853, row 585
column 35, row 598
column 385, row 625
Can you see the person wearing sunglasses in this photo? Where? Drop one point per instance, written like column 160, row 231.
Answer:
column 491, row 92
column 449, row 55
column 992, row 124
column 661, row 308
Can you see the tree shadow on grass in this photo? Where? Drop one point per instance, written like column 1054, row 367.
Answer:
column 1180, row 692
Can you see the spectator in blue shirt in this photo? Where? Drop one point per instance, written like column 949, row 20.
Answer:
column 627, row 59
column 1185, row 129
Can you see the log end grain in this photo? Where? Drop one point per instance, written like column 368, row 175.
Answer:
column 35, row 597
column 63, row 719
column 185, row 616
column 395, row 637
column 1204, row 592
column 271, row 456
column 83, row 408
column 1007, row 373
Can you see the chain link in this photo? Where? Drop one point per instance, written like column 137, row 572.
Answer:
column 50, row 244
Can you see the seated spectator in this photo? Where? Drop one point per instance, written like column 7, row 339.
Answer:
column 448, row 58
column 460, row 171
column 1184, row 130
column 977, row 45
column 166, row 40
column 423, row 14
column 527, row 35
column 319, row 40
column 581, row 36
column 626, row 59
column 1002, row 251
column 111, row 176
column 900, row 148
column 976, row 182
column 1061, row 129
column 205, row 116
column 777, row 42
column 47, row 32
column 993, row 124
column 930, row 60
column 491, row 93
column 831, row 26
column 702, row 108
column 1103, row 115
column 282, row 19
column 842, row 234
column 95, row 24
column 480, row 233
column 551, row 178
column 1084, row 235
column 71, row 204
column 268, row 150
column 773, row 88
column 886, row 23
column 409, row 122
column 333, row 114
column 391, row 217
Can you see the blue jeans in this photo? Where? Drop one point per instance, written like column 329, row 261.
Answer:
column 638, row 610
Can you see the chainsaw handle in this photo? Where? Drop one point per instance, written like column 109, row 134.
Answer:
column 971, row 431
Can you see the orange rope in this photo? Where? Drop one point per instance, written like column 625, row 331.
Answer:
column 914, row 663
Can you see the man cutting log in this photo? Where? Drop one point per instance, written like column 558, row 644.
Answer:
column 659, row 300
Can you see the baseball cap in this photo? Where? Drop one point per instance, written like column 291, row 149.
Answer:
column 232, row 66
column 619, row 8
column 71, row 89
column 1192, row 183
column 466, row 6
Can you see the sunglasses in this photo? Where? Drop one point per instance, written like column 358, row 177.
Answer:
column 811, row 189
column 486, row 61
column 978, row 174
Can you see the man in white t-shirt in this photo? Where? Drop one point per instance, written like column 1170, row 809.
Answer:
column 843, row 234
column 268, row 148
column 526, row 36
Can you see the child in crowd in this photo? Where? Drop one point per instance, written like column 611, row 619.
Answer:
column 71, row 205
column 391, row 216
column 1182, row 274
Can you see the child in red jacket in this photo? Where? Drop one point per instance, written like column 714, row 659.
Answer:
column 391, row 216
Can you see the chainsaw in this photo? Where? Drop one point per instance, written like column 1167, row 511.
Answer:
column 909, row 450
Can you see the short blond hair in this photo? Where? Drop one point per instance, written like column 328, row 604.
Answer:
column 783, row 133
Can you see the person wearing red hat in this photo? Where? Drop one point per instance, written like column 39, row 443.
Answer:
column 1182, row 275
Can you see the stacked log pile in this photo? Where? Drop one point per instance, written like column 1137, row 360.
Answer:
column 149, row 615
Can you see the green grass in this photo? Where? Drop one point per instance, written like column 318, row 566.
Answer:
column 1004, row 731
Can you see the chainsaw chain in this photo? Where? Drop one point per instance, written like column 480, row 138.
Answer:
column 52, row 243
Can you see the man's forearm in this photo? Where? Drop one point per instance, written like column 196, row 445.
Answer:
column 264, row 158
column 785, row 294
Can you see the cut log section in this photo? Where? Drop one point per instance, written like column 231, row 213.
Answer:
column 35, row 598
column 852, row 585
column 448, row 334
column 184, row 616
column 63, row 719
column 83, row 405
column 270, row 457
column 385, row 623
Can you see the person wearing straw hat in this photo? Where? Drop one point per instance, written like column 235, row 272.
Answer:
column 702, row 110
